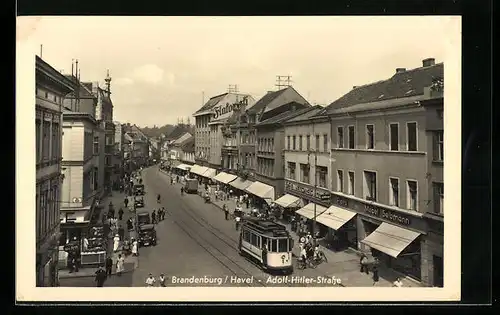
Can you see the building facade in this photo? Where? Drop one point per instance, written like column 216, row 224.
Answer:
column 211, row 123
column 118, row 159
column 387, row 154
column 51, row 89
column 307, row 157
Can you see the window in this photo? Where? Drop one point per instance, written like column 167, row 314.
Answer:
column 308, row 143
column 304, row 173
column 340, row 137
column 325, row 142
column 411, row 130
column 321, row 173
column 351, row 183
column 294, row 143
column 412, row 188
column 38, row 140
column 272, row 145
column 370, row 185
column 291, row 170
column 394, row 136
column 300, row 143
column 55, row 141
column 439, row 198
column 370, row 139
column 38, row 214
column 316, row 144
column 350, row 137
column 46, row 141
column 394, row 192
column 340, row 180
column 439, row 146
column 288, row 143
column 282, row 245
column 46, row 94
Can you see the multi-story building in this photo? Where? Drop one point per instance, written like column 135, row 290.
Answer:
column 176, row 147
column 137, row 152
column 51, row 89
column 387, row 157
column 210, row 123
column 307, row 158
column 270, row 167
column 118, row 157
column 241, row 140
column 187, row 152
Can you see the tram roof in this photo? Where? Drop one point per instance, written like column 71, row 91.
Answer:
column 266, row 227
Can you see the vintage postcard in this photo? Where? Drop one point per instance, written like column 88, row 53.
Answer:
column 179, row 159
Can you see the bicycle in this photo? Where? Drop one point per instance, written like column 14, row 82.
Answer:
column 301, row 264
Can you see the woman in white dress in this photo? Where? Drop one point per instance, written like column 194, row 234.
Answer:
column 134, row 247
column 120, row 265
column 116, row 242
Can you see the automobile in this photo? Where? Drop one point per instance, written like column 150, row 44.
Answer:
column 139, row 190
column 139, row 202
column 143, row 217
column 147, row 235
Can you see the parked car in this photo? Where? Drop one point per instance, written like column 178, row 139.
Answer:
column 139, row 190
column 139, row 202
column 143, row 217
column 147, row 235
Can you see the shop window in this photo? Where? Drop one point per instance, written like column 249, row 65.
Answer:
column 350, row 137
column 340, row 137
column 300, row 143
column 325, row 143
column 439, row 198
column 370, row 136
column 370, row 185
column 351, row 183
column 322, row 174
column 294, row 142
column 412, row 192
column 394, row 191
column 340, row 180
column 394, row 136
column 409, row 261
column 304, row 173
column 411, row 131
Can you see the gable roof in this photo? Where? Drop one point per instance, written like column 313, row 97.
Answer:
column 179, row 141
column 264, row 101
column 178, row 131
column 285, row 116
column 211, row 102
column 84, row 91
column 189, row 145
column 404, row 84
column 306, row 115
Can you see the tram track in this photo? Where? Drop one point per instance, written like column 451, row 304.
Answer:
column 234, row 266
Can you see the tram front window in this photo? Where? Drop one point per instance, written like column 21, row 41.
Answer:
column 274, row 245
column 282, row 245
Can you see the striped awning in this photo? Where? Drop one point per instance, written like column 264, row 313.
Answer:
column 183, row 167
column 198, row 170
column 390, row 239
column 308, row 211
column 261, row 190
column 240, row 183
column 209, row 173
column 335, row 217
column 288, row 200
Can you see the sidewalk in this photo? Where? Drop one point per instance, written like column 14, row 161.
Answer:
column 131, row 262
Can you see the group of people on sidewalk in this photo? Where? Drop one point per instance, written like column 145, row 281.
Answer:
column 151, row 280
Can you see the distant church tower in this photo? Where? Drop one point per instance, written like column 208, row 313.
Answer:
column 108, row 82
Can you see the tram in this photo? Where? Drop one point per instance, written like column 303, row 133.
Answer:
column 257, row 232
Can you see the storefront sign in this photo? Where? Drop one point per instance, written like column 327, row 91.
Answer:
column 307, row 190
column 228, row 108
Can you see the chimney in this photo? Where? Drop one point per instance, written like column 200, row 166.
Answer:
column 428, row 62
column 399, row 70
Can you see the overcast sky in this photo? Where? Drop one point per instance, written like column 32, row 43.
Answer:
column 161, row 65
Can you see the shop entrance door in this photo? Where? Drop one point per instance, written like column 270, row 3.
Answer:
column 438, row 271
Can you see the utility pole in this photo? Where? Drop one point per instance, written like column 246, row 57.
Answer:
column 283, row 81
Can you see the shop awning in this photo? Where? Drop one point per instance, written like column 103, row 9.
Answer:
column 261, row 190
column 209, row 173
column 240, row 183
column 198, row 170
column 183, row 167
column 288, row 200
column 390, row 239
column 308, row 211
column 335, row 217
column 225, row 178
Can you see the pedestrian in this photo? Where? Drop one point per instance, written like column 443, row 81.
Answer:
column 150, row 281
column 153, row 217
column 162, row 280
column 120, row 214
column 126, row 202
column 116, row 242
column 363, row 262
column 120, row 262
column 237, row 222
column 247, row 201
column 159, row 214
column 163, row 213
column 134, row 247
column 398, row 283
column 375, row 275
column 109, row 265
column 100, row 277
column 226, row 213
